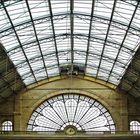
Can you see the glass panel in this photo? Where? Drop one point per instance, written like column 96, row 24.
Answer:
column 23, row 69
column 18, row 12
column 108, row 55
column 99, row 30
column 64, row 57
column 29, row 80
column 36, row 65
column 60, row 6
column 10, row 41
column 47, row 47
column 111, row 51
column 83, row 6
column 43, row 29
column 80, row 45
column 26, row 35
column 79, row 57
column 81, row 25
column 135, row 127
column 106, row 64
column 136, row 20
column 116, row 34
column 132, row 40
column 93, row 61
column 53, row 71
column 123, row 11
column 38, row 8
column 7, row 126
column 62, row 24
column 63, row 44
column 18, row 57
column 103, row 8
column 4, row 24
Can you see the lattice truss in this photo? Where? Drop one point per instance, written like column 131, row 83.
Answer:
column 41, row 36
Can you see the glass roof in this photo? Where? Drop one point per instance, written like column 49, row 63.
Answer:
column 40, row 36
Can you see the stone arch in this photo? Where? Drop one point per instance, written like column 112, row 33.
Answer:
column 113, row 113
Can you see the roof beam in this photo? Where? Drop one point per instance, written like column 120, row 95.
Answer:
column 108, row 59
column 36, row 37
column 89, row 34
column 20, row 44
column 74, row 35
column 91, row 66
column 53, row 30
column 7, row 83
column 113, row 9
column 82, row 16
column 71, row 32
column 123, row 40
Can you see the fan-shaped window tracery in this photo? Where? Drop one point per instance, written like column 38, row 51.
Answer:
column 82, row 112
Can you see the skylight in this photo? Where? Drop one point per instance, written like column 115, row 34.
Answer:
column 100, row 35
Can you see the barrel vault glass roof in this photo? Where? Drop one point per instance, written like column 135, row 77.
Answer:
column 40, row 36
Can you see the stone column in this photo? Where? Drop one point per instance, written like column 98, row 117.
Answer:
column 124, row 114
column 17, row 113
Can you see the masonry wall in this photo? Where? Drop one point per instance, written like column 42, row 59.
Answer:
column 20, row 107
column 134, row 109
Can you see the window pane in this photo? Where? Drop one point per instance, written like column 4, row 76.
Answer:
column 135, row 127
column 7, row 126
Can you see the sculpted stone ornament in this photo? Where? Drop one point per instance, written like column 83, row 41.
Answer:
column 70, row 130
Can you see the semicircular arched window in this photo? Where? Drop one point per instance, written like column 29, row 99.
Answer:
column 135, row 127
column 7, row 126
column 82, row 112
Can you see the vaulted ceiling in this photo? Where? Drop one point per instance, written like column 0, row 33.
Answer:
column 45, row 38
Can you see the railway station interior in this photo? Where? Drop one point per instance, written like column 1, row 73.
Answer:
column 69, row 69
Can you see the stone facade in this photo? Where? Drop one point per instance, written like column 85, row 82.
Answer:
column 19, row 108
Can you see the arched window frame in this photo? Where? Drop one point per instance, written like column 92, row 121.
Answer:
column 38, row 113
column 135, row 127
column 7, row 125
